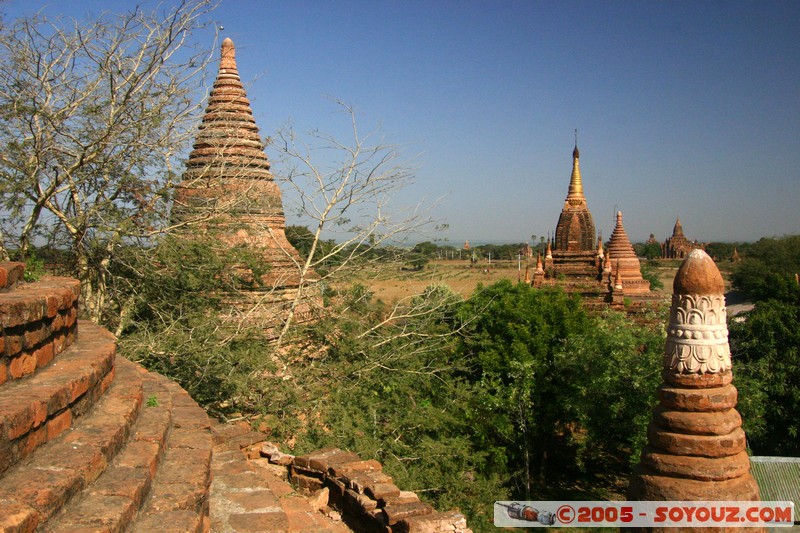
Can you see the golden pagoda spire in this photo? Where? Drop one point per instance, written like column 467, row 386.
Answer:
column 575, row 183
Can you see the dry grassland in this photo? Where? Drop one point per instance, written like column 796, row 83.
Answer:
column 389, row 283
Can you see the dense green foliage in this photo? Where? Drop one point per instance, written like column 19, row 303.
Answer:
column 649, row 250
column 723, row 251
column 558, row 388
column 516, row 354
column 766, row 349
column 513, row 393
column 766, row 346
column 171, row 320
column 769, row 270
column 650, row 275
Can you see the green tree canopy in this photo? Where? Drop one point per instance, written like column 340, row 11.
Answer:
column 769, row 271
column 766, row 351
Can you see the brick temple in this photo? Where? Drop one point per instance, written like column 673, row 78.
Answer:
column 577, row 262
column 678, row 246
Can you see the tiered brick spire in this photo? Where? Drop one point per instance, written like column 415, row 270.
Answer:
column 575, row 229
column 227, row 147
column 626, row 264
column 228, row 192
column 677, row 229
column 696, row 446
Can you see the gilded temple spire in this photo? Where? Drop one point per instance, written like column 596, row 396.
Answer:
column 575, row 229
column 575, row 183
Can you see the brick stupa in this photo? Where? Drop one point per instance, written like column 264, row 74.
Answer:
column 229, row 195
column 624, row 261
column 696, row 445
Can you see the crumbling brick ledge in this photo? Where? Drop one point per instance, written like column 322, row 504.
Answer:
column 365, row 496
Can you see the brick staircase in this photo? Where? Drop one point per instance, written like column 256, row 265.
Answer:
column 88, row 440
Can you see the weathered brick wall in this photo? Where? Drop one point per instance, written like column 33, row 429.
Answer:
column 365, row 495
column 38, row 321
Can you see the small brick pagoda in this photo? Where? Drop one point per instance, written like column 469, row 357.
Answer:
column 696, row 445
column 228, row 195
column 624, row 262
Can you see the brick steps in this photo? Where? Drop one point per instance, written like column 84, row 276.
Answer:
column 251, row 493
column 179, row 498
column 36, row 409
column 38, row 321
column 90, row 441
column 43, row 483
column 160, row 480
column 113, row 500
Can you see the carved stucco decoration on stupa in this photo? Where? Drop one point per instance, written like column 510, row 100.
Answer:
column 697, row 336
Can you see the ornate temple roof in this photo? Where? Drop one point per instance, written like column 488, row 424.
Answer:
column 677, row 230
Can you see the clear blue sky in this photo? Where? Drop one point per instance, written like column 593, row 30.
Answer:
column 687, row 109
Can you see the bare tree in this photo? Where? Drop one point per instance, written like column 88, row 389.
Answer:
column 94, row 117
column 344, row 189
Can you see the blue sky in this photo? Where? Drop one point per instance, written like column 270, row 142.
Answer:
column 683, row 109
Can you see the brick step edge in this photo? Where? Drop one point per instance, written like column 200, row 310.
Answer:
column 36, row 410
column 179, row 498
column 112, row 502
column 39, row 321
column 40, row 486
